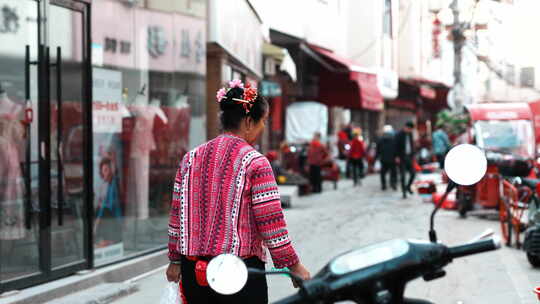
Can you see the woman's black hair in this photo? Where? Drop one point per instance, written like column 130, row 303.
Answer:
column 232, row 112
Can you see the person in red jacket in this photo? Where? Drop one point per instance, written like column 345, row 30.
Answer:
column 317, row 157
column 356, row 156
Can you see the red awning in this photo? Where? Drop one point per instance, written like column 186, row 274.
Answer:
column 432, row 93
column 403, row 104
column 347, row 85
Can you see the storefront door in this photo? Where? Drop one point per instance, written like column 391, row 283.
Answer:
column 44, row 136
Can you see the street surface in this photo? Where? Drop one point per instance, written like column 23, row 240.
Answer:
column 323, row 226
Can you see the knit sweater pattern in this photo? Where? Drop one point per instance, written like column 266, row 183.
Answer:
column 226, row 200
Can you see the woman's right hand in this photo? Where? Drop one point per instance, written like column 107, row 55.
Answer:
column 173, row 273
column 301, row 271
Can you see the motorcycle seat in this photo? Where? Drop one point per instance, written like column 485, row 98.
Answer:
column 531, row 182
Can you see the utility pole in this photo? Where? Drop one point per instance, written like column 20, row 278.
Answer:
column 458, row 38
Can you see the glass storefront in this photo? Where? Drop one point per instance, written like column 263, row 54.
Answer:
column 148, row 110
column 43, row 93
column 19, row 234
column 89, row 145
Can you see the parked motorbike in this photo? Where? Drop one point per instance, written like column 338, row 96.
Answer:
column 376, row 273
column 530, row 199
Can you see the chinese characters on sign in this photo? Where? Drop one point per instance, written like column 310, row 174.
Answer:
column 111, row 46
column 185, row 46
column 157, row 42
column 107, row 107
column 435, row 38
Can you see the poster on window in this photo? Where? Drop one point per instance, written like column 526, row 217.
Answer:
column 107, row 159
column 107, row 107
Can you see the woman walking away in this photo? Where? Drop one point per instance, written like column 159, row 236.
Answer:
column 225, row 200
column 356, row 156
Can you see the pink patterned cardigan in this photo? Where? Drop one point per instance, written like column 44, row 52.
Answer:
column 225, row 200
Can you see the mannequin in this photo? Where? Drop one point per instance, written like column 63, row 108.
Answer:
column 142, row 143
column 12, row 182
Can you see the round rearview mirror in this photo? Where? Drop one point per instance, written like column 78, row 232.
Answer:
column 465, row 164
column 226, row 274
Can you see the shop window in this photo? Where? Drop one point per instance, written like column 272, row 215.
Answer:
column 147, row 114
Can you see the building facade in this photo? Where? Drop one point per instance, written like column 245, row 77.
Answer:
column 372, row 34
column 99, row 101
column 234, row 51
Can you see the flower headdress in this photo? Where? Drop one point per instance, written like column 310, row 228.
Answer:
column 247, row 101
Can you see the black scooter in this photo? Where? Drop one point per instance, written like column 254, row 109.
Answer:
column 376, row 274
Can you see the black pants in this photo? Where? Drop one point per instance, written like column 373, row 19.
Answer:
column 315, row 178
column 440, row 159
column 255, row 291
column 406, row 166
column 385, row 167
column 357, row 166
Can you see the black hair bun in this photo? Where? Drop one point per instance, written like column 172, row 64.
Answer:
column 227, row 102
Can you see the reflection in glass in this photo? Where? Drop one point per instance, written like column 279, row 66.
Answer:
column 19, row 254
column 148, row 109
column 66, row 138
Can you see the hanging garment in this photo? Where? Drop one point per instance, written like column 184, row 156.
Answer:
column 142, row 143
column 12, row 182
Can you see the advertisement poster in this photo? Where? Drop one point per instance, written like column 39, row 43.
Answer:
column 107, row 128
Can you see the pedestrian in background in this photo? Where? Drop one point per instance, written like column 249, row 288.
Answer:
column 441, row 144
column 225, row 200
column 356, row 156
column 405, row 156
column 386, row 154
column 317, row 156
column 342, row 141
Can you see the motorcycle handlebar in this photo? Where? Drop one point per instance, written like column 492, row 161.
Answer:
column 473, row 248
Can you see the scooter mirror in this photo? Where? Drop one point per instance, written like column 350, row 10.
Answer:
column 226, row 274
column 465, row 164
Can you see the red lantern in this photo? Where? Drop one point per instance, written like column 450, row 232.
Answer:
column 435, row 38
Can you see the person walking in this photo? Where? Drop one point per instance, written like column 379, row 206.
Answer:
column 405, row 156
column 225, row 200
column 317, row 156
column 356, row 156
column 386, row 154
column 441, row 144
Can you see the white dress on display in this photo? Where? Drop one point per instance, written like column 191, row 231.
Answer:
column 142, row 143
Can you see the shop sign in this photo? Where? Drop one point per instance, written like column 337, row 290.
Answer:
column 157, row 41
column 387, row 82
column 427, row 92
column 270, row 89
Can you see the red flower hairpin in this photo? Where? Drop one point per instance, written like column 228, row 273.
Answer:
column 248, row 99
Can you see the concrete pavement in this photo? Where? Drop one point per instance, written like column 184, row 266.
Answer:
column 323, row 226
